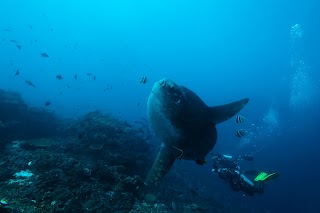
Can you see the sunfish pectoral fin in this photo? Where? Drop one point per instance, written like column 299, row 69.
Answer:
column 226, row 111
column 162, row 164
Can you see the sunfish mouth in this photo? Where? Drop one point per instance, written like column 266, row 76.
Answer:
column 159, row 86
column 162, row 83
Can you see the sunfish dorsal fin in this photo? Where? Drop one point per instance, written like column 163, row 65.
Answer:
column 224, row 112
column 162, row 164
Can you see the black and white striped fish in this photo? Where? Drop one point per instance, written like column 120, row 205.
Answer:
column 240, row 133
column 143, row 80
column 239, row 119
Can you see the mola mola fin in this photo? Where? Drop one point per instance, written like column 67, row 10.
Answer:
column 224, row 112
column 163, row 163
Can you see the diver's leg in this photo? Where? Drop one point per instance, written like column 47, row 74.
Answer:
column 248, row 186
column 246, row 180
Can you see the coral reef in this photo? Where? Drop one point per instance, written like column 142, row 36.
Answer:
column 17, row 120
column 96, row 163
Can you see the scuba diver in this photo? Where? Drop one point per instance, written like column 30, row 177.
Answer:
column 228, row 170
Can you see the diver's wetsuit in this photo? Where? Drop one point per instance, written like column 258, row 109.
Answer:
column 229, row 171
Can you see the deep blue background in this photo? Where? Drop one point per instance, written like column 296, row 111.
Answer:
column 223, row 50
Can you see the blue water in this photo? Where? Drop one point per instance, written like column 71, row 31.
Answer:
column 267, row 51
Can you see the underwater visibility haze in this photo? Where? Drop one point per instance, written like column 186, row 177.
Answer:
column 77, row 133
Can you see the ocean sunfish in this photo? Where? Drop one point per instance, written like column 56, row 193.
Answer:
column 185, row 125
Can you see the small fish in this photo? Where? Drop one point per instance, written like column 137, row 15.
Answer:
column 240, row 133
column 59, row 77
column 18, row 46
column 17, row 73
column 30, row 83
column 13, row 41
column 89, row 74
column 75, row 76
column 47, row 103
column 94, row 77
column 143, row 80
column 239, row 119
column 44, row 55
column 30, row 26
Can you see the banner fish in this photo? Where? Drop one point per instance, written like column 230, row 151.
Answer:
column 240, row 119
column 240, row 133
column 143, row 80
